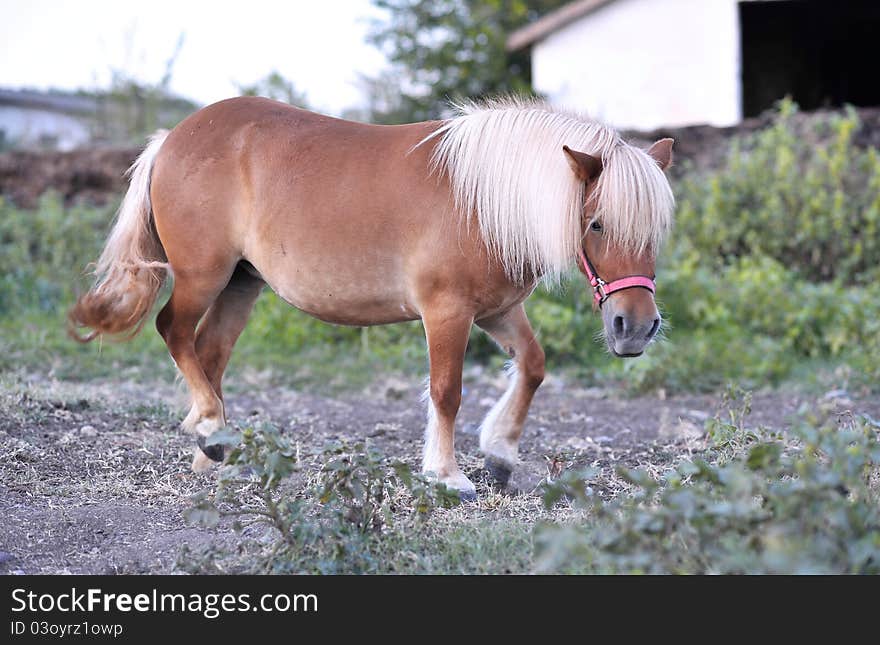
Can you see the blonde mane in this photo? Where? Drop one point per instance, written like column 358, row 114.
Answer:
column 505, row 163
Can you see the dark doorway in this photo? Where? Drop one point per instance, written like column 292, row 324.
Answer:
column 822, row 53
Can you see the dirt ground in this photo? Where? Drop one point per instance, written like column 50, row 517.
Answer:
column 94, row 477
column 88, row 175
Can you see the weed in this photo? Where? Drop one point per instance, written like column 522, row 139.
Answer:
column 327, row 521
column 806, row 501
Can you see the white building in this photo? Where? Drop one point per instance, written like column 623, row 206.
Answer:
column 643, row 64
column 60, row 120
column 31, row 119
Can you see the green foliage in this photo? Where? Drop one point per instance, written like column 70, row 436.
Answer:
column 774, row 259
column 360, row 484
column 806, row 500
column 810, row 201
column 131, row 109
column 43, row 258
column 335, row 519
column 6, row 142
column 443, row 49
column 39, row 250
column 277, row 87
column 755, row 502
column 754, row 320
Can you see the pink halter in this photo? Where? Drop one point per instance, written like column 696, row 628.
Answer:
column 602, row 289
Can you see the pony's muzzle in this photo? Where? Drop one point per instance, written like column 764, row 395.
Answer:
column 630, row 326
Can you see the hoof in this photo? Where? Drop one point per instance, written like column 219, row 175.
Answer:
column 213, row 452
column 201, row 463
column 499, row 470
column 456, row 482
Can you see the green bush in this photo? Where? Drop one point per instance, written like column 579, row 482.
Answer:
column 42, row 251
column 774, row 260
column 755, row 502
column 334, row 519
column 753, row 320
column 751, row 500
column 811, row 201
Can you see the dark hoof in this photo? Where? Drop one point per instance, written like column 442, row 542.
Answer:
column 467, row 495
column 499, row 471
column 213, row 452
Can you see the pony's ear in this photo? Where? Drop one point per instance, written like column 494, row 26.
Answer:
column 661, row 152
column 586, row 167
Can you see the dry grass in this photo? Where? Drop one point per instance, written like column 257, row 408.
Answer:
column 94, row 477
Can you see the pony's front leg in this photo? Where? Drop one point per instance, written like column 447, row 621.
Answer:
column 501, row 429
column 447, row 335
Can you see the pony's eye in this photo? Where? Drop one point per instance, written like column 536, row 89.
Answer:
column 596, row 226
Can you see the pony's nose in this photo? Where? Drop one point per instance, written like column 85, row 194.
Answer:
column 621, row 326
column 655, row 325
column 629, row 335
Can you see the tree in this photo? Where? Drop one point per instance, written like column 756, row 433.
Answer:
column 448, row 49
column 132, row 108
column 275, row 86
column 384, row 102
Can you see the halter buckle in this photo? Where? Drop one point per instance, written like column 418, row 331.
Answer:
column 600, row 286
column 599, row 290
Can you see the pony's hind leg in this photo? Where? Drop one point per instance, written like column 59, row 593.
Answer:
column 192, row 296
column 224, row 323
column 501, row 429
column 447, row 336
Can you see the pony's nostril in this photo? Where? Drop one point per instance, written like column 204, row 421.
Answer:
column 619, row 325
column 654, row 327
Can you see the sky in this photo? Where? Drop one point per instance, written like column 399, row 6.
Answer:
column 317, row 44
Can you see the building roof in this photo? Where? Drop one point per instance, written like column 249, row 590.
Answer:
column 75, row 103
column 553, row 21
column 65, row 102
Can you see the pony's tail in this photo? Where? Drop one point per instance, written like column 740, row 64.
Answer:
column 133, row 266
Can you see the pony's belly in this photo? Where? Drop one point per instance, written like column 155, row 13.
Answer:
column 356, row 303
column 357, row 314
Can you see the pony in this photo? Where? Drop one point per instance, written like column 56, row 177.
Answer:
column 452, row 222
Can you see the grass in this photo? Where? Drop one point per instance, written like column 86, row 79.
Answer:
column 38, row 341
column 108, row 456
column 749, row 500
column 53, row 469
column 472, row 540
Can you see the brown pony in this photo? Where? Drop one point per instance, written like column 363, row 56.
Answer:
column 451, row 222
